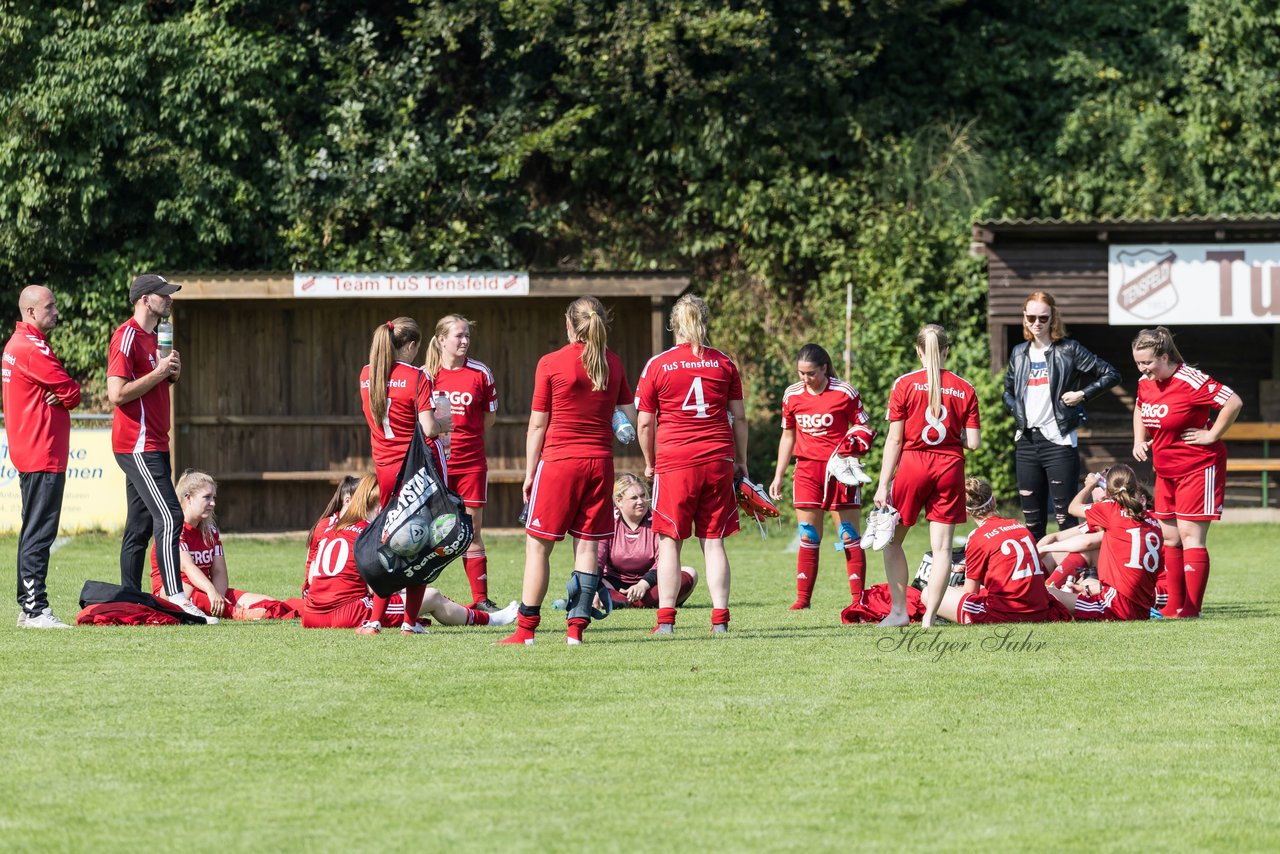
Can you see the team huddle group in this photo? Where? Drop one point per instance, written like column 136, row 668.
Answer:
column 689, row 419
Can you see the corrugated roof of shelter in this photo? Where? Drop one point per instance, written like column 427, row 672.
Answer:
column 1191, row 228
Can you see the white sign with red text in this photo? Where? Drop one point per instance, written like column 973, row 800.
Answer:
column 1194, row 284
column 464, row 284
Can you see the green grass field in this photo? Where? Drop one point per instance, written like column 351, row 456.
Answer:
column 792, row 733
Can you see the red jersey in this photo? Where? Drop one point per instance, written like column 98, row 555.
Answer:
column 909, row 402
column 142, row 424
column 332, row 578
column 579, row 422
column 1182, row 402
column 39, row 434
column 408, row 393
column 690, row 396
column 191, row 543
column 1131, row 553
column 821, row 420
column 1001, row 555
column 472, row 395
column 322, row 528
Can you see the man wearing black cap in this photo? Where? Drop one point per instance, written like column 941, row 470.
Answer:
column 138, row 381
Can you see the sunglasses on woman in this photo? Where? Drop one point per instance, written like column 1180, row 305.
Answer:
column 1037, row 318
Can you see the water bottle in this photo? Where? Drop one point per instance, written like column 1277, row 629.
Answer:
column 622, row 429
column 443, row 408
column 164, row 338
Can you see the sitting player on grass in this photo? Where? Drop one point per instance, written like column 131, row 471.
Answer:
column 338, row 598
column 1071, row 554
column 629, row 557
column 328, row 520
column 1129, row 561
column 203, row 563
column 1004, row 582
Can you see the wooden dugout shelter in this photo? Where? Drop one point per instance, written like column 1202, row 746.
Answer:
column 1233, row 337
column 268, row 402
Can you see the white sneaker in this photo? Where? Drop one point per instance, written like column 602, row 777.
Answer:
column 869, row 533
column 847, row 470
column 190, row 607
column 506, row 616
column 44, row 620
column 885, row 527
column 413, row 629
column 22, row 619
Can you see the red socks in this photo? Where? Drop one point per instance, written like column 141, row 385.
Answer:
column 719, row 617
column 1174, row 581
column 806, row 574
column 380, row 610
column 477, row 618
column 855, row 561
column 1071, row 567
column 666, row 617
column 413, row 596
column 1196, row 579
column 577, row 625
column 526, row 625
column 476, row 566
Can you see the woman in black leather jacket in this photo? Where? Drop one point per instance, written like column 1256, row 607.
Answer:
column 1049, row 378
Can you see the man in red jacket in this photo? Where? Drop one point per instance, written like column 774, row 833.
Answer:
column 38, row 399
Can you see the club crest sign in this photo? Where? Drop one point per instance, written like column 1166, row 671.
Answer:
column 1194, row 284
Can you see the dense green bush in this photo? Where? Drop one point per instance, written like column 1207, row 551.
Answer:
column 779, row 151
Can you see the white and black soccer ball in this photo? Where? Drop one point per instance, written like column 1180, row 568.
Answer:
column 410, row 535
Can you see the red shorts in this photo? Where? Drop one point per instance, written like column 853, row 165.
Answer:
column 352, row 614
column 650, row 599
column 932, row 482
column 813, row 488
column 1196, row 496
column 981, row 608
column 1109, row 605
column 574, row 497
column 473, row 486
column 696, row 500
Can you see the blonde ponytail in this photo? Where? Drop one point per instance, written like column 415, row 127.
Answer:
column 932, row 342
column 689, row 322
column 435, row 353
column 589, row 321
column 388, row 338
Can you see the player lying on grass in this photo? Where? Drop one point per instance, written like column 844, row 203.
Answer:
column 629, row 557
column 1004, row 581
column 338, row 598
column 1129, row 559
column 203, row 563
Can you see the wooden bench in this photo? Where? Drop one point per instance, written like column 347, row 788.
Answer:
column 1255, row 431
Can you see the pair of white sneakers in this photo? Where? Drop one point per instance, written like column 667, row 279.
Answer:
column 881, row 523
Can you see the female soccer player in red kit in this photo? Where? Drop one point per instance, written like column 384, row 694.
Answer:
column 933, row 418
column 1171, row 425
column 685, row 398
column 1004, row 580
column 569, row 465
column 817, row 413
column 337, row 597
column 394, row 395
column 1129, row 559
column 473, row 403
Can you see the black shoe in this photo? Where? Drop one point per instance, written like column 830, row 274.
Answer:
column 488, row 606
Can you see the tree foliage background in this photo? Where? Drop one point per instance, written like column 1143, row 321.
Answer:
column 778, row 150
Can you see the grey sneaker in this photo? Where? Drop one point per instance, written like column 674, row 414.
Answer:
column 44, row 620
column 22, row 619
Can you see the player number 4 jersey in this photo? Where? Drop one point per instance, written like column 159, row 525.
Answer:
column 689, row 394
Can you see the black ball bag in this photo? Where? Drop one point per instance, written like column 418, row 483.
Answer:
column 420, row 532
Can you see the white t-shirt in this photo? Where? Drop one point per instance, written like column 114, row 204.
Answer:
column 1036, row 400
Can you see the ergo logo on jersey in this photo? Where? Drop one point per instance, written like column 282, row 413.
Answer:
column 815, row 422
column 459, row 398
column 1154, row 410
